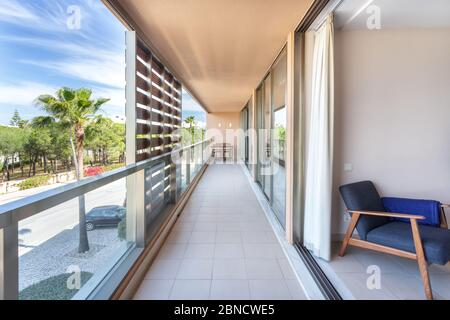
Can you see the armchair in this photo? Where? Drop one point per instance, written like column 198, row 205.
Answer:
column 417, row 229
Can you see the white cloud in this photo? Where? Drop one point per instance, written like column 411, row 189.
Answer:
column 81, row 61
column 108, row 71
column 37, row 15
column 116, row 105
column 23, row 93
column 200, row 124
column 189, row 104
column 11, row 11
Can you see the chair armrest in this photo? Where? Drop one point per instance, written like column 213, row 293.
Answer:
column 388, row 214
column 445, row 206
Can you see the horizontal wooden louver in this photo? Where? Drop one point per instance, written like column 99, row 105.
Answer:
column 158, row 109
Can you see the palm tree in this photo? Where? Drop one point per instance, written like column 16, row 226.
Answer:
column 191, row 122
column 75, row 110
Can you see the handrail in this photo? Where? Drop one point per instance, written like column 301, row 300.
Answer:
column 195, row 144
column 21, row 209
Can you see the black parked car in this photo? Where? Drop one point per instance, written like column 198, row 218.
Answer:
column 105, row 216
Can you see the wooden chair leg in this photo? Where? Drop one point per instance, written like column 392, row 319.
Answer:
column 444, row 223
column 348, row 234
column 421, row 261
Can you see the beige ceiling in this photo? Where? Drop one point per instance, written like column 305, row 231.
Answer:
column 219, row 48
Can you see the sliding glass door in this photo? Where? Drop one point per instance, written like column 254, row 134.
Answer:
column 271, row 125
column 267, row 126
column 278, row 136
column 259, row 132
column 244, row 139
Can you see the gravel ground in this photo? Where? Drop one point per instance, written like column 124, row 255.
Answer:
column 57, row 254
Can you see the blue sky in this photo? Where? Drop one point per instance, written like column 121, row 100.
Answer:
column 45, row 45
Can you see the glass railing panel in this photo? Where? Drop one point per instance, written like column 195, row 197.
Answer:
column 54, row 264
column 158, row 196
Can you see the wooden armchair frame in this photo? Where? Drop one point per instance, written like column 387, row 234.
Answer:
column 419, row 256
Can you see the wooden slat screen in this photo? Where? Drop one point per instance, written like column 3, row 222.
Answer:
column 158, row 106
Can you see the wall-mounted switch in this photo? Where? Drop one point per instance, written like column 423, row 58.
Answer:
column 348, row 167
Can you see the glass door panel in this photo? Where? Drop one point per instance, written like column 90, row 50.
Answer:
column 278, row 116
column 267, row 155
column 260, row 140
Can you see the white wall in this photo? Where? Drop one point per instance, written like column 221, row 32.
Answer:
column 393, row 113
column 224, row 127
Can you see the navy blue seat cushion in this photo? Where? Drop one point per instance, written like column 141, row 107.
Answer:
column 363, row 196
column 430, row 209
column 398, row 235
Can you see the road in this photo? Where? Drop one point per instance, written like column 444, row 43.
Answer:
column 45, row 225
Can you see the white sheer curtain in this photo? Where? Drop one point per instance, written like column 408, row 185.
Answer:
column 318, row 184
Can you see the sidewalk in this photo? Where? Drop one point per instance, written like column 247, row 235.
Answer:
column 9, row 197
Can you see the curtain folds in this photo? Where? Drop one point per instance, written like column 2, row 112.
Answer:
column 318, row 178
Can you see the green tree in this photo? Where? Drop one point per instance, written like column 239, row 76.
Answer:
column 37, row 145
column 106, row 140
column 11, row 144
column 191, row 129
column 74, row 109
column 17, row 121
column 58, row 147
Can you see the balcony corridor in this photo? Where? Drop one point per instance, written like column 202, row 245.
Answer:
column 221, row 247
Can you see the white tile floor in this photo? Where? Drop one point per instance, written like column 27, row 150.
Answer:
column 222, row 247
column 400, row 278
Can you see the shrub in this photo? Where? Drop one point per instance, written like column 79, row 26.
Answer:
column 114, row 166
column 93, row 171
column 33, row 182
column 53, row 288
column 122, row 229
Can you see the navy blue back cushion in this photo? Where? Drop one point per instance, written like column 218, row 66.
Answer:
column 363, row 196
column 430, row 209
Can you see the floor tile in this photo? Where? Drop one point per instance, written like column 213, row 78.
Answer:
column 230, row 290
column 229, row 269
column 205, row 226
column 199, row 251
column 179, row 237
column 269, row 290
column 228, row 237
column 252, row 250
column 195, row 269
column 163, row 269
column 441, row 284
column 296, row 290
column 154, row 290
column 222, row 247
column 286, row 269
column 229, row 251
column 347, row 264
column 258, row 237
column 382, row 261
column 263, row 269
column 228, row 226
column 203, row 237
column 206, row 218
column 357, row 284
column 404, row 286
column 191, row 290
